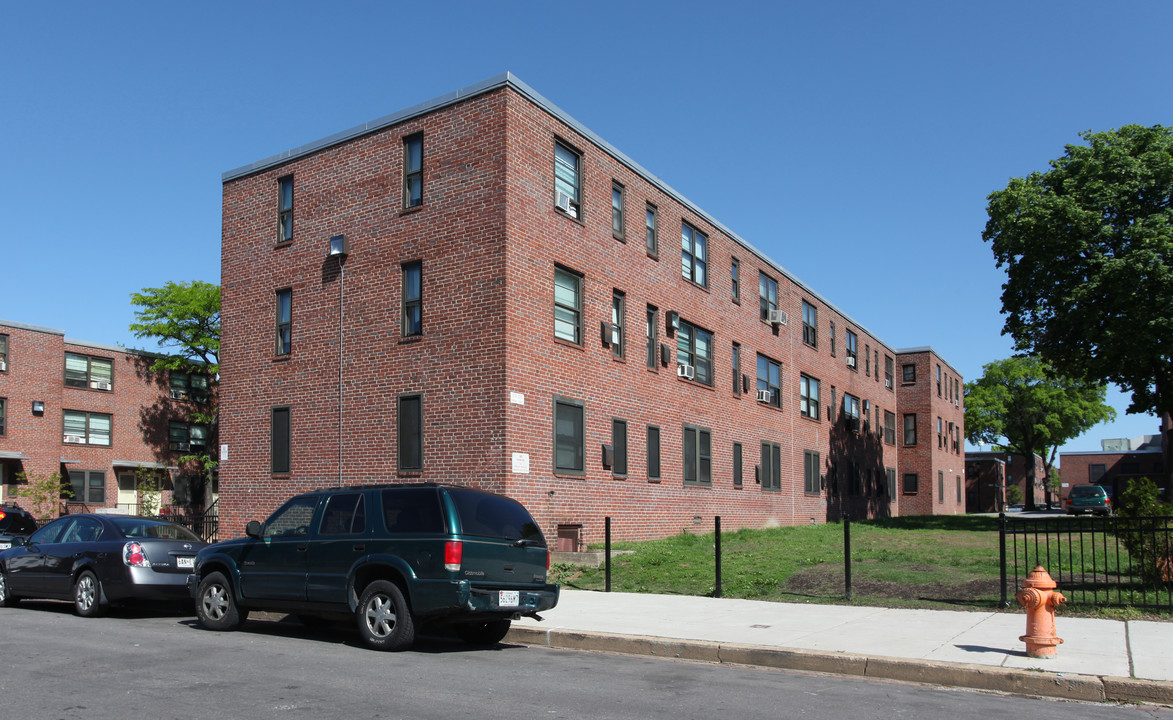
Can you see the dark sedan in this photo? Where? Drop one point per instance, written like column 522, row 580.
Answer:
column 96, row 560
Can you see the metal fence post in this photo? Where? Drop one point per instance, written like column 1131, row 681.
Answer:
column 847, row 553
column 607, row 553
column 717, row 526
column 1002, row 554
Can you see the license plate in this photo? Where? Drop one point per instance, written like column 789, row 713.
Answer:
column 508, row 598
column 185, row 562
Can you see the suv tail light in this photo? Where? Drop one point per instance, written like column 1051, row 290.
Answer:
column 3, row 514
column 133, row 555
column 453, row 554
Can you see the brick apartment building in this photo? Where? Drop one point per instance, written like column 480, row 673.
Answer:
column 988, row 473
column 480, row 290
column 1117, row 463
column 95, row 414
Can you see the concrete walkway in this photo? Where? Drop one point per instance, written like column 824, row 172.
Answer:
column 1099, row 659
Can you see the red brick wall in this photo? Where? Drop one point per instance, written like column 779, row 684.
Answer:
column 931, row 456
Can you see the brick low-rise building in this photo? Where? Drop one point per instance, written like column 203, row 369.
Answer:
column 96, row 415
column 1115, row 465
column 480, row 290
column 989, row 472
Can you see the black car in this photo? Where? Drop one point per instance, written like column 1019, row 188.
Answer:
column 96, row 560
column 388, row 557
column 15, row 522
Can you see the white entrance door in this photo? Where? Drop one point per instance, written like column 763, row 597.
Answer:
column 128, row 493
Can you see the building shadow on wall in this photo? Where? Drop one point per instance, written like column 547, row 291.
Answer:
column 855, row 480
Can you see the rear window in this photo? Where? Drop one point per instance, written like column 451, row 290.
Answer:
column 138, row 528
column 1087, row 491
column 494, row 516
column 412, row 510
column 12, row 522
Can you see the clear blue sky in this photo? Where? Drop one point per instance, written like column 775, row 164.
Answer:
column 853, row 142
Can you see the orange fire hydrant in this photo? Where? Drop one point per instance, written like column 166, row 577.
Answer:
column 1040, row 598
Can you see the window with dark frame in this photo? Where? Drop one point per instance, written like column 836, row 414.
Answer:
column 189, row 386
column 84, row 371
column 618, row 214
column 694, row 255
column 698, row 457
column 567, row 179
column 831, row 337
column 767, row 295
column 653, row 452
column 284, row 324
column 653, row 332
column 1096, row 472
column 410, row 432
column 908, row 373
column 694, row 347
column 808, row 392
column 651, row 221
column 890, row 476
column 889, row 427
column 938, row 381
column 810, row 324
column 940, row 486
column 619, row 447
column 910, row 429
column 811, row 464
column 280, row 441
column 86, row 428
column 867, row 360
column 569, row 438
column 851, row 347
column 851, row 411
column 736, row 368
column 889, row 370
column 618, row 324
column 567, row 305
column 285, row 209
column 770, row 379
column 3, row 353
column 413, row 293
column 413, row 170
column 89, row 486
column 958, row 489
column 735, row 279
column 910, row 484
column 737, row 468
column 187, row 437
column 3, row 415
column 771, row 467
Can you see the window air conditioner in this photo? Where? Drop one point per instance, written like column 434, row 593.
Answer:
column 688, row 372
column 776, row 317
column 75, row 439
column 180, row 446
column 888, row 383
column 3, row 365
column 763, row 396
column 850, row 361
column 100, row 385
column 607, row 334
column 562, row 201
column 178, row 395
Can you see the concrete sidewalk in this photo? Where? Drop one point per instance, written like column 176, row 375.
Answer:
column 1099, row 659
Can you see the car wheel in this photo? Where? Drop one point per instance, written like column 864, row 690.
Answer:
column 483, row 633
column 384, row 620
column 216, row 607
column 87, row 595
column 7, row 599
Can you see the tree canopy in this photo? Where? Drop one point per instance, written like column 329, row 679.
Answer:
column 1021, row 405
column 1088, row 252
column 183, row 316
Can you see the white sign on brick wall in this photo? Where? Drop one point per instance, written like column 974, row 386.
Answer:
column 521, row 463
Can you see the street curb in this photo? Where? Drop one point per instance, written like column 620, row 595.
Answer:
column 1066, row 686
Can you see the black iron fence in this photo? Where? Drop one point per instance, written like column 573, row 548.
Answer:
column 1096, row 561
column 206, row 524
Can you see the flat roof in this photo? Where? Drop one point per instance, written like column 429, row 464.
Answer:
column 510, row 80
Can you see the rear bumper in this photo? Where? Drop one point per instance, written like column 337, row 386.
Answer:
column 460, row 597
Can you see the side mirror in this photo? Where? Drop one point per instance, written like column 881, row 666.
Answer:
column 253, row 529
column 20, row 540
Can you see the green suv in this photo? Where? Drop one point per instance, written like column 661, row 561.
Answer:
column 392, row 557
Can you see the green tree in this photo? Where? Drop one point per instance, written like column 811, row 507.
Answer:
column 1022, row 406
column 44, row 493
column 1088, row 247
column 185, row 317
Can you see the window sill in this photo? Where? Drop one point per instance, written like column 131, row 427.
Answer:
column 695, row 284
column 411, row 210
column 568, row 344
column 619, row 477
column 620, row 238
column 570, row 474
column 808, row 418
column 654, row 481
column 654, row 256
column 281, row 358
column 409, row 473
column 281, row 476
column 282, row 244
column 576, row 220
column 697, row 383
column 411, row 340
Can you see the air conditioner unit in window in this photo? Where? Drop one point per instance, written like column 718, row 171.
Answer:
column 776, row 317
column 764, row 396
column 607, row 334
column 3, row 365
column 178, row 394
column 850, row 361
column 688, row 372
column 100, row 385
column 562, row 201
column 180, row 446
column 75, row 439
column 888, row 383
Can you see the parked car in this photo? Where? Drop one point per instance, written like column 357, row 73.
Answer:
column 390, row 558
column 1088, row 499
column 15, row 522
column 96, row 560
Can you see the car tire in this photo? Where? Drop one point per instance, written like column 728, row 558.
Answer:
column 483, row 633
column 7, row 599
column 87, row 595
column 216, row 607
column 384, row 619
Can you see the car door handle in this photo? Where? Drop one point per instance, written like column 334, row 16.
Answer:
column 360, row 547
column 303, row 548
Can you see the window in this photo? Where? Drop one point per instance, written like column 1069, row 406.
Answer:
column 189, row 386
column 89, row 486
column 831, row 407
column 771, row 468
column 567, row 179
column 417, row 510
column 767, row 295
column 652, row 242
column 568, row 437
column 695, row 347
column 698, row 460
column 619, row 446
column 831, row 336
column 413, row 279
column 3, row 353
column 852, row 345
column 940, row 486
column 86, row 428
column 940, row 433
column 618, row 324
column 867, row 360
column 810, row 472
column 653, row 452
column 736, row 464
column 1095, row 473
column 3, row 415
column 938, row 381
column 344, row 514
column 280, row 440
column 285, row 209
column 693, row 255
column 958, row 489
column 618, row 200
column 567, row 306
column 876, row 365
column 910, row 429
column 736, row 369
column 284, row 322
column 911, row 484
column 293, row 519
column 808, row 392
column 89, row 372
column 889, row 365
column 413, row 170
column 735, row 279
column 810, row 324
column 851, row 411
column 890, row 427
column 908, row 374
column 770, row 379
column 186, row 437
column 890, row 476
column 411, row 432
column 653, row 330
